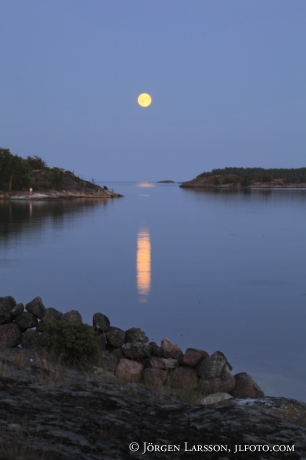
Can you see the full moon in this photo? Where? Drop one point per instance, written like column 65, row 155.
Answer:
column 144, row 100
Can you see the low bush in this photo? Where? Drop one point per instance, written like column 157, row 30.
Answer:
column 73, row 343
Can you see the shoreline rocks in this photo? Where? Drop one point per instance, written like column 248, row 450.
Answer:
column 129, row 355
column 53, row 412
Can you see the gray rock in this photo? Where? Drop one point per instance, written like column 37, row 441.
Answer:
column 224, row 384
column 136, row 350
column 32, row 339
column 101, row 322
column 10, row 335
column 118, row 352
column 108, row 361
column 155, row 350
column 212, row 366
column 26, row 320
column 136, row 335
column 72, row 316
column 17, row 310
column 115, row 337
column 36, row 307
column 7, row 302
column 51, row 314
column 6, row 305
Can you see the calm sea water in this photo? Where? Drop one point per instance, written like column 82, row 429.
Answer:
column 213, row 270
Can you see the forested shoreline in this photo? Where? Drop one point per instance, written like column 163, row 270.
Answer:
column 289, row 176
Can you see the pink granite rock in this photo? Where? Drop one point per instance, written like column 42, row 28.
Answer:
column 193, row 356
column 246, row 387
column 170, row 350
column 128, row 371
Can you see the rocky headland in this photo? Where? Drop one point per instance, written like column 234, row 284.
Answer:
column 232, row 181
column 155, row 396
column 45, row 185
column 254, row 177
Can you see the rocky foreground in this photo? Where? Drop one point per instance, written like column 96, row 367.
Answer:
column 113, row 411
column 60, row 414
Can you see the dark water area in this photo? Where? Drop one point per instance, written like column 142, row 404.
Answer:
column 216, row 270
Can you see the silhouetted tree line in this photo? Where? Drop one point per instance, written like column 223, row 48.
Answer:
column 14, row 171
column 289, row 176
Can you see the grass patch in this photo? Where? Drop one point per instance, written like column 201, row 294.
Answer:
column 18, row 444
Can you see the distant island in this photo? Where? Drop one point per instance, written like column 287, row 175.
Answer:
column 249, row 177
column 31, row 178
column 168, row 181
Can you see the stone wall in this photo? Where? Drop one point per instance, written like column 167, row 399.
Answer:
column 128, row 354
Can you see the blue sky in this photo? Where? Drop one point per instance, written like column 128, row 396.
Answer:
column 227, row 79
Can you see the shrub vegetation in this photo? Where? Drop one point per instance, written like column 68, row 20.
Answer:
column 74, row 343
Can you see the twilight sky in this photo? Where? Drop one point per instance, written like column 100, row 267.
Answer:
column 227, row 79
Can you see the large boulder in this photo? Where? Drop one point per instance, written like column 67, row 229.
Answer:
column 108, row 361
column 72, row 316
column 224, row 384
column 212, row 366
column 246, row 387
column 170, row 350
column 10, row 335
column 118, row 352
column 32, row 339
column 8, row 302
column 135, row 334
column 128, row 371
column 136, row 350
column 154, row 377
column 193, row 356
column 100, row 322
column 184, row 378
column 6, row 305
column 115, row 337
column 36, row 307
column 52, row 314
column 26, row 320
